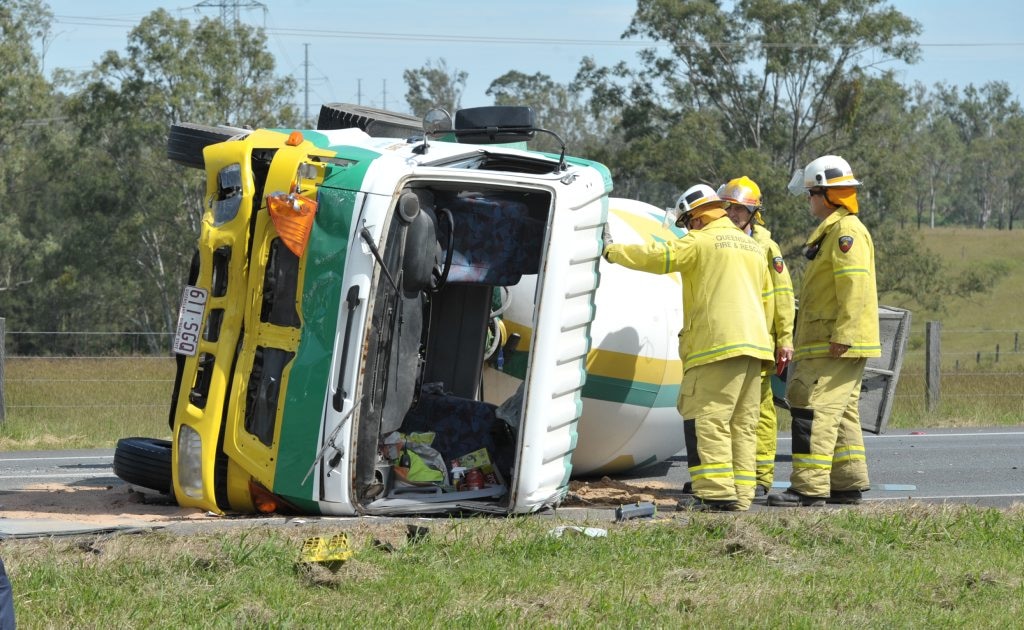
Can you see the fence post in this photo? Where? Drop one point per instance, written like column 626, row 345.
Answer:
column 3, row 357
column 933, row 364
column 997, row 353
column 1016, row 345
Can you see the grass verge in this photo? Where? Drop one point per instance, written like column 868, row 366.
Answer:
column 912, row 566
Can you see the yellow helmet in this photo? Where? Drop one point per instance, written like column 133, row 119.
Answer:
column 743, row 191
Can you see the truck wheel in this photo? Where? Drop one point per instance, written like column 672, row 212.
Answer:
column 144, row 462
column 186, row 141
column 378, row 123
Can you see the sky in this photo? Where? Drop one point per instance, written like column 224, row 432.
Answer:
column 357, row 50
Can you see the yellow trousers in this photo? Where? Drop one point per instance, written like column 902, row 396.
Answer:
column 767, row 434
column 828, row 447
column 719, row 404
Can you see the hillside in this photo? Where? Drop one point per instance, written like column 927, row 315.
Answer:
column 977, row 388
column 981, row 321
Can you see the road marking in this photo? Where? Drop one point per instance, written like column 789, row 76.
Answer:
column 885, row 487
column 950, row 496
column 59, row 459
column 940, row 435
column 56, row 475
column 890, row 436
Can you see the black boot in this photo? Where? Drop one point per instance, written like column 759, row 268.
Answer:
column 697, row 504
column 792, row 498
column 845, row 497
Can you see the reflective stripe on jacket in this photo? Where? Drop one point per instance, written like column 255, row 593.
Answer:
column 838, row 299
column 725, row 289
column 784, row 312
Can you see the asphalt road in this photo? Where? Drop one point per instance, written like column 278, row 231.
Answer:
column 975, row 466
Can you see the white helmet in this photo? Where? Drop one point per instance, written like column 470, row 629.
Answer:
column 829, row 171
column 697, row 196
column 694, row 198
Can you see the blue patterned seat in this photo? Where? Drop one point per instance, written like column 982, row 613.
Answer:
column 461, row 426
column 496, row 240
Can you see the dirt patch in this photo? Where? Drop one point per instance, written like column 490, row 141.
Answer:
column 109, row 505
column 606, row 492
column 121, row 504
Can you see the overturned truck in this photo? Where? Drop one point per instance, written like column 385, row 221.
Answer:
column 332, row 335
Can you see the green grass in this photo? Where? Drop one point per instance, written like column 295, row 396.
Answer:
column 62, row 403
column 908, row 567
column 977, row 390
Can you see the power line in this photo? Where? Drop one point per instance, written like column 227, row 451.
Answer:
column 490, row 39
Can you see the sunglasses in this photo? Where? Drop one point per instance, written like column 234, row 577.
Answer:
column 815, row 193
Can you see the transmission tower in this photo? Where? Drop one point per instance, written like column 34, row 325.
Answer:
column 231, row 10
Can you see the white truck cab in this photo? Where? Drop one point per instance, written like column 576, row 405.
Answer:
column 332, row 336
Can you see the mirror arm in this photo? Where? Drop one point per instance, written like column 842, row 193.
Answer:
column 365, row 233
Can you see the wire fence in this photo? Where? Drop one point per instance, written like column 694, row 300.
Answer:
column 140, row 375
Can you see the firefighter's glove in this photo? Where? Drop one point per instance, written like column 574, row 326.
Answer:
column 606, row 240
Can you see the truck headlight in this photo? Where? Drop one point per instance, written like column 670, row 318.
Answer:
column 190, row 462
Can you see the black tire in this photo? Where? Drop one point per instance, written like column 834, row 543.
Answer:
column 144, row 462
column 186, row 141
column 378, row 123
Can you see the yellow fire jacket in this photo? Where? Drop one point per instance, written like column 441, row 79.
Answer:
column 725, row 290
column 838, row 299
column 780, row 327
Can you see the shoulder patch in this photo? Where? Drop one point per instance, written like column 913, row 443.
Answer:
column 845, row 243
column 778, row 264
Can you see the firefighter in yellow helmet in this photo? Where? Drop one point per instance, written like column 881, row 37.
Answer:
column 743, row 197
column 836, row 333
column 723, row 274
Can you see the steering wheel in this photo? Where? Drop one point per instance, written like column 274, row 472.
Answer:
column 440, row 273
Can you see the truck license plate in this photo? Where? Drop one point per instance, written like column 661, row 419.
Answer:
column 190, row 321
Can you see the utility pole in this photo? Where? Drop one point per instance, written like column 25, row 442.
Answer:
column 230, row 10
column 359, row 91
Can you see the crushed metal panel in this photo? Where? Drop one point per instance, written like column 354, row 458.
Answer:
column 882, row 373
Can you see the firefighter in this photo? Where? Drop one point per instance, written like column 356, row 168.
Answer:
column 723, row 275
column 836, row 334
column 743, row 197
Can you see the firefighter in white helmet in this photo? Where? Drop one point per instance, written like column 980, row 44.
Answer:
column 694, row 197
column 743, row 197
column 723, row 274
column 836, row 333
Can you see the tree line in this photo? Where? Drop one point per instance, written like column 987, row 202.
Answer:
column 97, row 227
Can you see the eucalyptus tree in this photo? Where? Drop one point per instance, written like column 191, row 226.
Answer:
column 434, row 85
column 557, row 106
column 980, row 116
column 783, row 80
column 26, row 108
column 786, row 76
column 133, row 216
column 940, row 151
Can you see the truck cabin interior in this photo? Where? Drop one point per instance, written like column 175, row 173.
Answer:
column 446, row 253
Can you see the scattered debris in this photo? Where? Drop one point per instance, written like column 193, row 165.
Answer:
column 640, row 509
column 415, row 533
column 606, row 492
column 329, row 552
column 383, row 545
column 593, row 532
